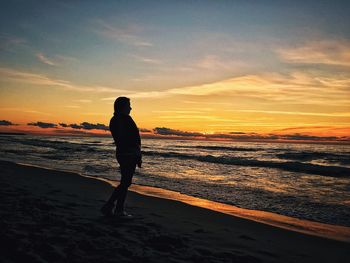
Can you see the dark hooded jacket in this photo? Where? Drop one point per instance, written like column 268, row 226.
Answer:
column 125, row 134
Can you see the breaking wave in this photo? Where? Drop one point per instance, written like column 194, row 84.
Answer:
column 332, row 171
column 219, row 148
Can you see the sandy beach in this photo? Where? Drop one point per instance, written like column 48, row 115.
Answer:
column 53, row 216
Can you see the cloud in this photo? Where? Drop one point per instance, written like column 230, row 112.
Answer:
column 269, row 85
column 42, row 80
column 251, row 136
column 37, row 112
column 329, row 52
column 72, row 106
column 83, row 101
column 294, row 87
column 191, row 117
column 64, row 59
column 180, row 111
column 25, row 110
column 144, row 130
column 214, row 62
column 86, row 126
column 45, row 59
column 320, row 130
column 147, row 60
column 97, row 126
column 9, row 42
column 75, row 126
column 300, row 133
column 43, row 125
column 108, row 98
column 6, row 123
column 239, row 136
column 146, row 94
column 168, row 131
column 305, row 127
column 93, row 114
column 303, row 137
column 207, row 102
column 56, row 60
column 344, row 114
column 128, row 34
column 200, row 90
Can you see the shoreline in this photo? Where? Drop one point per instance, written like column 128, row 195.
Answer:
column 335, row 232
column 53, row 216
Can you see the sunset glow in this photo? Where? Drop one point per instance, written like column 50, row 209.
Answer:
column 193, row 69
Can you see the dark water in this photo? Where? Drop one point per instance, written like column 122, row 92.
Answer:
column 308, row 181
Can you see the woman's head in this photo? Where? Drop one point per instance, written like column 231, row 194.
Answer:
column 122, row 105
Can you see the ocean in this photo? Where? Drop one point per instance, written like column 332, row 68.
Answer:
column 306, row 181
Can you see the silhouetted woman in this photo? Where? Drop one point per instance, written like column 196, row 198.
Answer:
column 128, row 153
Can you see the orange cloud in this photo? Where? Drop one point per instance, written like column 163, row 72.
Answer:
column 43, row 80
column 45, row 59
column 128, row 34
column 319, row 52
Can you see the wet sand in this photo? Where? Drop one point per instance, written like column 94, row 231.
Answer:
column 53, row 216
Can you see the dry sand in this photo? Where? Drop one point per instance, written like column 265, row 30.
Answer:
column 53, row 216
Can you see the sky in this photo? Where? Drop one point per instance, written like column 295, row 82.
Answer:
column 241, row 69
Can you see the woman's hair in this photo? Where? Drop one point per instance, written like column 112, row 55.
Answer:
column 120, row 103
